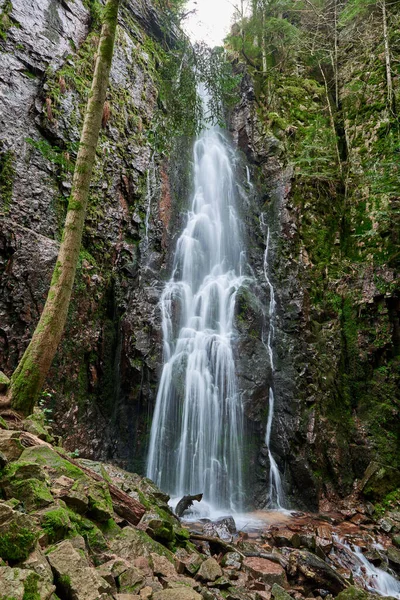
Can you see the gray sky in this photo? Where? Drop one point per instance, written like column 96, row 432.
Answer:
column 212, row 21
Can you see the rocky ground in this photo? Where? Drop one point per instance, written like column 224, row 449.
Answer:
column 81, row 530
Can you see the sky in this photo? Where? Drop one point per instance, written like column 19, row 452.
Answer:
column 212, row 20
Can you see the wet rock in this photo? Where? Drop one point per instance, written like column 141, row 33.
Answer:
column 224, row 528
column 74, row 575
column 270, row 572
column 396, row 540
column 209, row 570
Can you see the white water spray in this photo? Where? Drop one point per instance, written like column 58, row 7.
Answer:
column 196, row 435
column 276, row 493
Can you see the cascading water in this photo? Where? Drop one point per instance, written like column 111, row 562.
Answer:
column 276, row 494
column 196, row 435
column 365, row 573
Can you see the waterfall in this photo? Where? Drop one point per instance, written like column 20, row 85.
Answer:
column 197, row 428
column 276, row 494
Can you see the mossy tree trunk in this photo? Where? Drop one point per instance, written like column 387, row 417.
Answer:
column 28, row 378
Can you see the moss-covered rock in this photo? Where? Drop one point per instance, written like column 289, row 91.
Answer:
column 4, row 382
column 18, row 534
column 56, row 524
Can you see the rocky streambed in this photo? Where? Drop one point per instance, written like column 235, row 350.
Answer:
column 75, row 529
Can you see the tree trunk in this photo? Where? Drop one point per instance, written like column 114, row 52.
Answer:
column 389, row 82
column 28, row 378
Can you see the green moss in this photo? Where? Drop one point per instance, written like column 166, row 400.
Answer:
column 31, row 587
column 7, row 174
column 5, row 21
column 17, row 543
column 43, row 455
column 56, row 523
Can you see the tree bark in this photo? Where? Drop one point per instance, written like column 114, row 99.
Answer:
column 28, row 378
column 389, row 82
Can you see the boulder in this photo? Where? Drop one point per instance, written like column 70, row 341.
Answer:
column 279, row 593
column 131, row 580
column 209, row 570
column 285, row 537
column 262, row 568
column 232, row 560
column 20, row 584
column 393, row 555
column 162, row 566
column 181, row 593
column 353, row 593
column 316, row 570
column 74, row 576
column 18, row 534
column 132, row 543
column 157, row 527
column 10, row 445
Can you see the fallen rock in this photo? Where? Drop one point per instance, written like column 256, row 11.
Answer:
column 270, row 572
column 232, row 560
column 162, row 566
column 16, row 583
column 285, row 537
column 317, row 570
column 10, row 445
column 73, row 574
column 279, row 593
column 209, row 570
column 18, row 534
column 132, row 543
column 393, row 555
column 181, row 593
column 131, row 580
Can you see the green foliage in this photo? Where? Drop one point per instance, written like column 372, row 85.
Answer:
column 55, row 155
column 5, row 21
column 7, row 174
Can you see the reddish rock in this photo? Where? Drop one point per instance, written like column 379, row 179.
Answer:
column 266, row 570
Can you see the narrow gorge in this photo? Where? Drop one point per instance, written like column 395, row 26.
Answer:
column 234, row 325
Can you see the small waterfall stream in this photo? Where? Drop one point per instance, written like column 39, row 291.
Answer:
column 276, row 494
column 196, row 435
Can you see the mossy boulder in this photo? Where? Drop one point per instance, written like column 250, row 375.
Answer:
column 74, row 577
column 18, row 534
column 131, row 543
column 52, row 461
column 4, row 382
column 100, row 504
column 56, row 523
column 23, row 584
column 36, row 425
column 353, row 593
column 157, row 527
column 379, row 480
